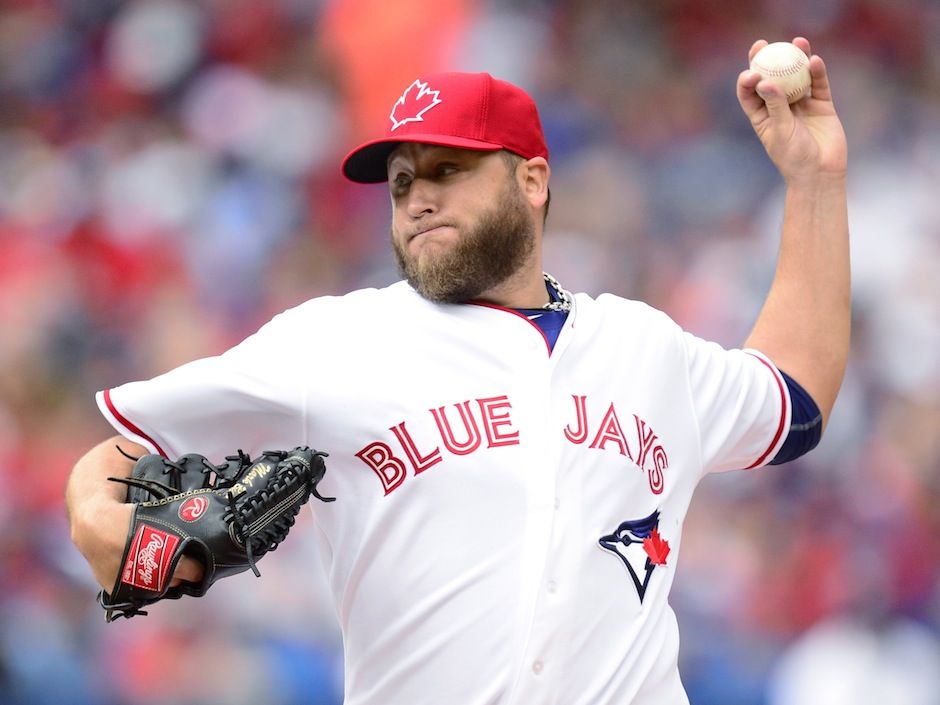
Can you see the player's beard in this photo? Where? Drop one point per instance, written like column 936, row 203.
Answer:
column 483, row 257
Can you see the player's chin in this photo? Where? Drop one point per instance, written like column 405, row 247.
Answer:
column 428, row 265
column 435, row 279
column 432, row 256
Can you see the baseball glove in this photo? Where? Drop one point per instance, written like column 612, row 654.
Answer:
column 156, row 476
column 227, row 516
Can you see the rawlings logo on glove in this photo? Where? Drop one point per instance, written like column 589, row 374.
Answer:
column 149, row 558
column 227, row 516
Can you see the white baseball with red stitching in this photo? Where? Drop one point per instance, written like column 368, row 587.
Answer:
column 787, row 66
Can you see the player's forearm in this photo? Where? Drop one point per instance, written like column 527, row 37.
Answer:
column 805, row 321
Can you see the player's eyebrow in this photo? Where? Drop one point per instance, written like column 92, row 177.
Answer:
column 394, row 160
column 432, row 152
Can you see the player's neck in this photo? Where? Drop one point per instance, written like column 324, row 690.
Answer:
column 525, row 289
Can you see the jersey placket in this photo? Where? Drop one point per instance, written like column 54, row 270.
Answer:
column 548, row 565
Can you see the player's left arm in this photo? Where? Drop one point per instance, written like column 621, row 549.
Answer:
column 804, row 323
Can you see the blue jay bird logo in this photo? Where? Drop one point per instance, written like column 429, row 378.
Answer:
column 645, row 533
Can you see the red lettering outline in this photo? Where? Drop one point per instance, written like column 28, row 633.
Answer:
column 419, row 462
column 646, row 440
column 610, row 430
column 580, row 408
column 447, row 433
column 378, row 456
column 492, row 422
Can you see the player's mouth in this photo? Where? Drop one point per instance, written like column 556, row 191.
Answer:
column 432, row 230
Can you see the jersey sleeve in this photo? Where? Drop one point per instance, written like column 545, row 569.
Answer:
column 247, row 398
column 741, row 404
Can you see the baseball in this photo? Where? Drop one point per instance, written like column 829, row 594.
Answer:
column 787, row 66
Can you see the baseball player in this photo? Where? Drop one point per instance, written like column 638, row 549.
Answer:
column 512, row 462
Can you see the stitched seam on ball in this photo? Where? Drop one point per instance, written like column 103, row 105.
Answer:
column 781, row 72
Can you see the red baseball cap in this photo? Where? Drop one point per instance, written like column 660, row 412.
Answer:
column 465, row 110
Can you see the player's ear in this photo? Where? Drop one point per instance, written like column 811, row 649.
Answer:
column 535, row 173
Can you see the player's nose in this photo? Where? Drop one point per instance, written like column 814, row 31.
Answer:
column 422, row 199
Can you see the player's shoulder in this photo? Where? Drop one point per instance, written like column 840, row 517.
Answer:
column 610, row 308
column 371, row 299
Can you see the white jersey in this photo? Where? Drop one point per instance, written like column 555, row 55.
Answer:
column 508, row 519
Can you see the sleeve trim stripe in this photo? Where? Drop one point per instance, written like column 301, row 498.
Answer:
column 783, row 414
column 133, row 428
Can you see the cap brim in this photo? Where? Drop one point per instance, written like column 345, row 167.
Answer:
column 368, row 163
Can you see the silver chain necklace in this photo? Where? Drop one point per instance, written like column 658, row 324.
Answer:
column 564, row 298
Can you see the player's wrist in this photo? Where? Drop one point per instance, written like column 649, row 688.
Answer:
column 818, row 182
column 99, row 531
column 96, row 518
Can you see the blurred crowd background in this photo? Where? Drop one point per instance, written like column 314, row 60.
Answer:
column 169, row 180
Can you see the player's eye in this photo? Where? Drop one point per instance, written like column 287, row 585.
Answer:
column 400, row 183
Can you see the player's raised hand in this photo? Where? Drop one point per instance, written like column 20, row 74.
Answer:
column 804, row 139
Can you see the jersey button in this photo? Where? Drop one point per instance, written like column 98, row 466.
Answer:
column 537, row 667
column 552, row 586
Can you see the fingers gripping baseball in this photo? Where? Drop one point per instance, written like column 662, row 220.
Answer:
column 803, row 138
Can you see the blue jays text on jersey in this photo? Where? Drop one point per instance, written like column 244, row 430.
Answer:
column 459, row 425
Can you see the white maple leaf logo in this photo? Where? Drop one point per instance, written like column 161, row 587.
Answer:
column 413, row 103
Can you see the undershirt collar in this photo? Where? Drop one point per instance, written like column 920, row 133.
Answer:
column 549, row 321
